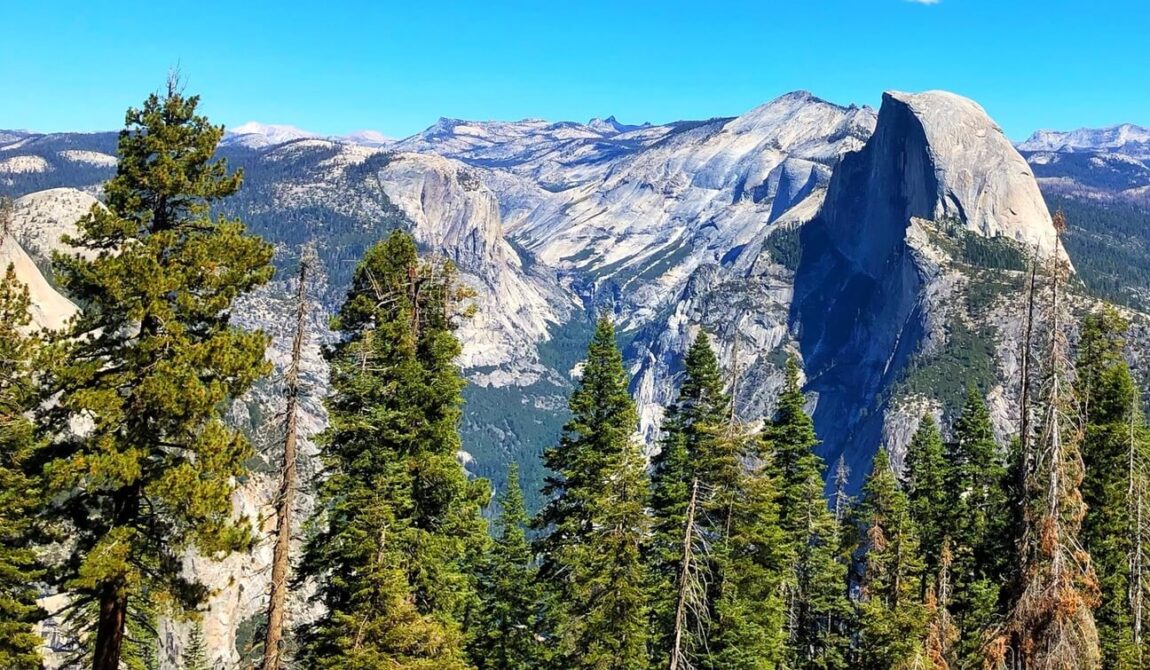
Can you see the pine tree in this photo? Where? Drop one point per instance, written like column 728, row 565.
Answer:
column 892, row 617
column 19, row 492
column 691, row 427
column 815, row 588
column 749, row 559
column 273, row 643
column 979, row 522
column 510, row 596
column 1109, row 400
column 1051, row 625
column 397, row 520
column 195, row 656
column 151, row 364
column 926, row 478
column 595, row 520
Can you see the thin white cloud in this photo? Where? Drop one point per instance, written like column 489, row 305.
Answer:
column 925, row 2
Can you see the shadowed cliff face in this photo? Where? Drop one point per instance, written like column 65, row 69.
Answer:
column 858, row 311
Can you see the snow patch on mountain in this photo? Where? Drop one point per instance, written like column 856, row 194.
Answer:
column 1124, row 138
column 256, row 135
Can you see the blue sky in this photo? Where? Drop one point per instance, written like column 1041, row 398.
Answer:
column 396, row 66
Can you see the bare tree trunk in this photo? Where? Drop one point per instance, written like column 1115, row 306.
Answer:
column 677, row 656
column 273, row 637
column 1024, row 392
column 1135, row 495
column 110, row 627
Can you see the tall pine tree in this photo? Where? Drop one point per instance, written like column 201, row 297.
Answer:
column 815, row 588
column 595, row 520
column 19, row 493
column 149, row 367
column 397, row 520
column 690, row 429
column 892, row 616
column 980, row 522
column 926, row 477
column 511, row 599
column 1109, row 400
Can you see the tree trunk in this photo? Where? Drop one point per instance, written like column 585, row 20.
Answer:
column 110, row 626
column 684, row 584
column 277, row 599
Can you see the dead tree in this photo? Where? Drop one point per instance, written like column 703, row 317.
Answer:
column 285, row 499
column 1052, row 623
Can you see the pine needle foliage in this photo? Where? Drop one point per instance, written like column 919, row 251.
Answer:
column 149, row 367
column 397, row 526
column 19, row 492
column 595, row 521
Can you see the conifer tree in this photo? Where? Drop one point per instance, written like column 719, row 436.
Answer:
column 690, row 429
column 979, row 521
column 195, row 656
column 815, row 588
column 1051, row 625
column 19, row 492
column 892, row 616
column 595, row 520
column 926, row 478
column 749, row 559
column 151, row 364
column 510, row 596
column 397, row 520
column 1108, row 397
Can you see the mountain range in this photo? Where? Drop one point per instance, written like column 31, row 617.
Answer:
column 884, row 249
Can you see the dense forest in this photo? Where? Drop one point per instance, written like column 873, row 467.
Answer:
column 721, row 553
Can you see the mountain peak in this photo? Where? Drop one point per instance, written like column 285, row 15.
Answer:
column 955, row 163
column 1124, row 137
column 256, row 135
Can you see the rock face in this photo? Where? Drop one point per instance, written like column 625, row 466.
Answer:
column 49, row 309
column 860, row 309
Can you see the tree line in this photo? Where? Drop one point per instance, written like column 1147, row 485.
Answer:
column 722, row 553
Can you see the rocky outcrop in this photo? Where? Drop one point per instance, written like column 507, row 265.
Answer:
column 49, row 309
column 862, row 306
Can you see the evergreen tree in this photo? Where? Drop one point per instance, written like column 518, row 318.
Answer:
column 980, row 528
column 510, row 596
column 926, row 478
column 749, row 559
column 690, row 428
column 595, row 521
column 151, row 364
column 1051, row 624
column 195, row 656
column 1109, row 400
column 397, row 519
column 19, row 493
column 892, row 617
column 815, row 588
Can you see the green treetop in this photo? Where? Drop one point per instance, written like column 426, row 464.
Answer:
column 151, row 365
column 980, row 523
column 510, row 597
column 595, row 520
column 892, row 617
column 397, row 523
column 926, row 477
column 690, row 428
column 1114, row 453
column 19, row 493
column 815, row 589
